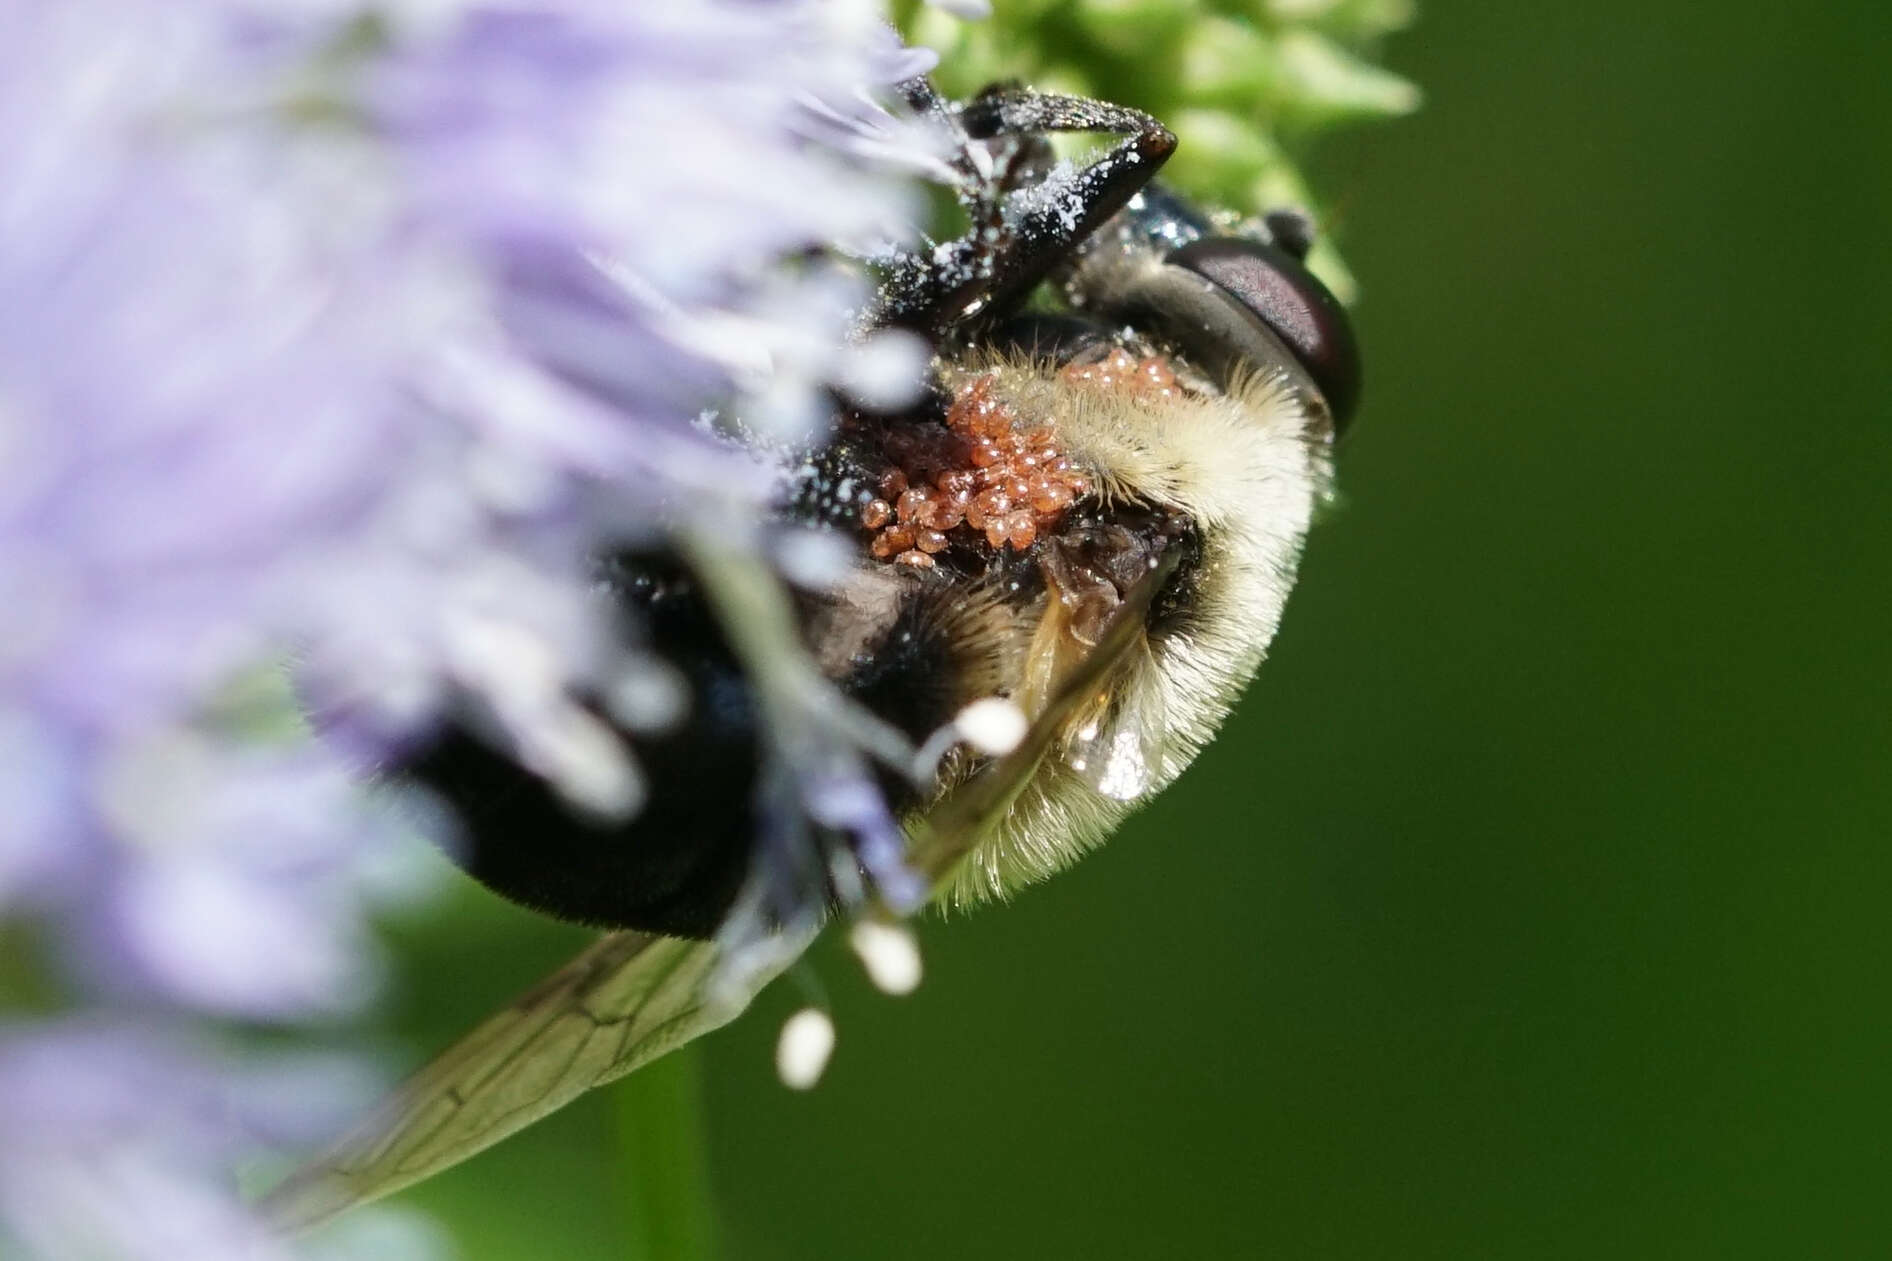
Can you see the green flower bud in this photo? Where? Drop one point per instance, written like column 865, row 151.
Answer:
column 1226, row 61
column 1219, row 154
column 1324, row 83
column 1134, row 28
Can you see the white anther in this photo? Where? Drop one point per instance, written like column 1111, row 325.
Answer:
column 890, row 953
column 993, row 726
column 802, row 1052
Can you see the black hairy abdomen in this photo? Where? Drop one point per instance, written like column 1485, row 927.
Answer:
column 677, row 866
column 679, row 863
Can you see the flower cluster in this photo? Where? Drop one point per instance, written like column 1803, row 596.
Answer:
column 345, row 334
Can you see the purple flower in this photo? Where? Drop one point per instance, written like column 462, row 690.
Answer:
column 344, row 344
column 119, row 1134
column 180, row 387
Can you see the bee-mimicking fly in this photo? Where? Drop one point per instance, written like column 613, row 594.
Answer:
column 1094, row 512
column 1178, row 405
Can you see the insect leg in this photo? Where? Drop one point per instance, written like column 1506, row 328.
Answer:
column 1005, row 110
column 1019, row 235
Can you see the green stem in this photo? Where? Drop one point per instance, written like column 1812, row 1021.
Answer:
column 664, row 1160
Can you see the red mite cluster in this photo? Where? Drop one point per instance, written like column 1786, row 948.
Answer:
column 1019, row 482
column 1148, row 378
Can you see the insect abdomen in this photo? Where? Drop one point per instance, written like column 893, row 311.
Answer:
column 677, row 865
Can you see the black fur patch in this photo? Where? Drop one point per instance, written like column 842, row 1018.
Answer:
column 677, row 866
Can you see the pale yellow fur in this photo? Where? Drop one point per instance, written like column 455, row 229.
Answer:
column 1249, row 467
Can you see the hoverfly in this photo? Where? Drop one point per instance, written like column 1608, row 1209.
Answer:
column 1095, row 512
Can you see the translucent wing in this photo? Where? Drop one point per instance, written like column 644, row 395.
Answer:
column 625, row 1001
column 964, row 817
column 632, row 997
column 1116, row 738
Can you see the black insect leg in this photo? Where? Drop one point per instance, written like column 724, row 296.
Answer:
column 1003, row 110
column 986, row 172
column 1022, row 234
column 1062, row 218
column 927, row 104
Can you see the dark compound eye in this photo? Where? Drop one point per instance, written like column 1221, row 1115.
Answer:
column 1281, row 292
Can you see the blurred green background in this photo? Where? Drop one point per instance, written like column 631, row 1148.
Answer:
column 1534, row 904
